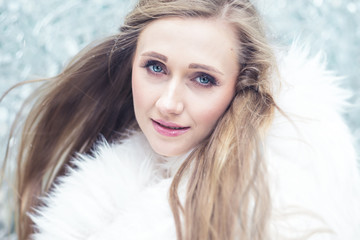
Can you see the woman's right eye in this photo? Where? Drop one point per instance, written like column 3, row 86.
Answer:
column 154, row 67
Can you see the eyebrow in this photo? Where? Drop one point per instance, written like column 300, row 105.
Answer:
column 204, row 67
column 155, row 55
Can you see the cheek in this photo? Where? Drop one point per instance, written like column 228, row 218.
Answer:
column 135, row 89
column 208, row 115
column 140, row 97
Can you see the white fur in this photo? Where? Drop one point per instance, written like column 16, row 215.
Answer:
column 122, row 192
column 312, row 166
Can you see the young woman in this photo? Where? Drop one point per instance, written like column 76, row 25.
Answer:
column 170, row 130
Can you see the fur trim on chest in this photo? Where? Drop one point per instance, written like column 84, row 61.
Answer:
column 115, row 194
column 122, row 192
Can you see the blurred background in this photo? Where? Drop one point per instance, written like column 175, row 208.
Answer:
column 38, row 37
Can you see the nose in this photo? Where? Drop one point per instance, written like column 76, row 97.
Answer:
column 170, row 101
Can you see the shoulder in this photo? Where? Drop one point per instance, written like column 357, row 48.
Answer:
column 314, row 175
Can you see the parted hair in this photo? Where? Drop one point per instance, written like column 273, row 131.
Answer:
column 227, row 194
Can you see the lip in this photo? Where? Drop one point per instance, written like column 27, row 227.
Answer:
column 167, row 128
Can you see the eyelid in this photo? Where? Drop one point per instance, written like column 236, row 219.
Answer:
column 205, row 67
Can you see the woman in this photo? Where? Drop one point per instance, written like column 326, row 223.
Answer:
column 185, row 96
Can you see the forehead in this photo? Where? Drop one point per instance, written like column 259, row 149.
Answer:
column 197, row 38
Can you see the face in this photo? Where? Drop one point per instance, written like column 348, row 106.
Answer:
column 183, row 79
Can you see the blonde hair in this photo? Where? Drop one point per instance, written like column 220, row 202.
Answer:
column 227, row 192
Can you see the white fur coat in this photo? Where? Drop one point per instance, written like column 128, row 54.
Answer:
column 122, row 193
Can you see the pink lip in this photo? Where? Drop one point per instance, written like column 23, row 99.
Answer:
column 167, row 128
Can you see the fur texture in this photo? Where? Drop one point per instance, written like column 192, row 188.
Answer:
column 122, row 192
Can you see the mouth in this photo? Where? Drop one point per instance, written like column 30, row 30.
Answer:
column 169, row 129
column 169, row 125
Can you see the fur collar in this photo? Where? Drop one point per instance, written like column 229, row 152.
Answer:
column 119, row 192
column 122, row 192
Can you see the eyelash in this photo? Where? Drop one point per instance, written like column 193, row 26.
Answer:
column 151, row 63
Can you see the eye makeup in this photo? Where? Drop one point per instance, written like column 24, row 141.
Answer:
column 200, row 79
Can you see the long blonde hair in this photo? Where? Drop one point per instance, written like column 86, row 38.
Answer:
column 227, row 193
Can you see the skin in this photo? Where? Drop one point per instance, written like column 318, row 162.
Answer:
column 184, row 74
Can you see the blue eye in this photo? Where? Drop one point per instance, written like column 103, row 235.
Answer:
column 156, row 68
column 205, row 80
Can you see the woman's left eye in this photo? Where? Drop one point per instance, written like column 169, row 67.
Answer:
column 205, row 80
column 156, row 68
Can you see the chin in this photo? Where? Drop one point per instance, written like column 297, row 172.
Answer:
column 167, row 151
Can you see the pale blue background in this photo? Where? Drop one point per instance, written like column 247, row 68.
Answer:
column 37, row 37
